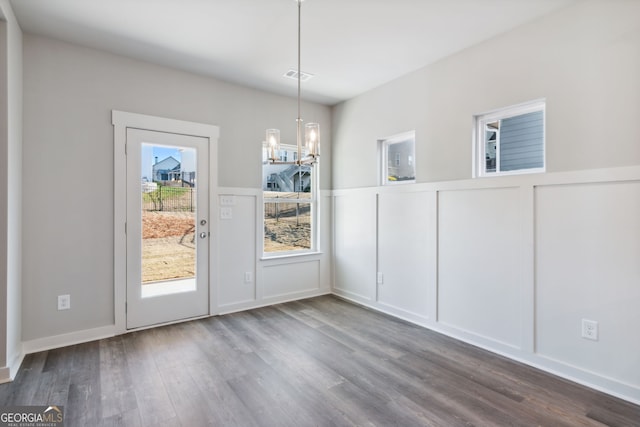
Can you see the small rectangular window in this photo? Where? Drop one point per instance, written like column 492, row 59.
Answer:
column 397, row 154
column 511, row 140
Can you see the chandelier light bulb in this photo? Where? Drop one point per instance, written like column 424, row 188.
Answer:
column 273, row 142
column 312, row 138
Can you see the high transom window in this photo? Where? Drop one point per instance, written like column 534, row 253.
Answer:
column 397, row 158
column 511, row 140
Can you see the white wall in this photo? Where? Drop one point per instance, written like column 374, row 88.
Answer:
column 587, row 266
column 69, row 92
column 12, row 101
column 512, row 264
column 274, row 279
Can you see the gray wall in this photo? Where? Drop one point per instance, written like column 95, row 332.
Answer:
column 583, row 60
column 4, row 202
column 68, row 157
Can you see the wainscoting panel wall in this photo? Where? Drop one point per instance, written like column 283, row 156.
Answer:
column 237, row 250
column 355, row 245
column 247, row 279
column 588, row 267
column 291, row 279
column 403, row 239
column 515, row 263
column 479, row 262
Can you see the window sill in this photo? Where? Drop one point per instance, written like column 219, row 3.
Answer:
column 512, row 173
column 290, row 255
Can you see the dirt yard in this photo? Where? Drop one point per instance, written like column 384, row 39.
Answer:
column 168, row 246
column 286, row 235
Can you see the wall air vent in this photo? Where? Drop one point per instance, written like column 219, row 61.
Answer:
column 293, row 74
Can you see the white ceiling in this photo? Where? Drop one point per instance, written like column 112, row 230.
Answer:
column 350, row 46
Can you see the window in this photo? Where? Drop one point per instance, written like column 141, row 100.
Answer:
column 289, row 199
column 397, row 153
column 511, row 140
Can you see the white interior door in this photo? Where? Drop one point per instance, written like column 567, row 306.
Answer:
column 167, row 227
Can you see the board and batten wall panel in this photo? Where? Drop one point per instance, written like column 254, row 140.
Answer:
column 403, row 250
column 355, row 245
column 588, row 267
column 274, row 278
column 290, row 279
column 479, row 263
column 237, row 252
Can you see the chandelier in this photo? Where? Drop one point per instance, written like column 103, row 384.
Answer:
column 311, row 130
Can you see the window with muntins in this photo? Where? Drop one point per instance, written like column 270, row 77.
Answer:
column 511, row 140
column 289, row 201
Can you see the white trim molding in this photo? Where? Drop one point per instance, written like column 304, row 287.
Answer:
column 71, row 338
column 121, row 121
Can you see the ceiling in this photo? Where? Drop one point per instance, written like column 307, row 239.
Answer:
column 350, row 46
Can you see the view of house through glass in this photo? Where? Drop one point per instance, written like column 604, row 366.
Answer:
column 168, row 219
column 512, row 140
column 288, row 204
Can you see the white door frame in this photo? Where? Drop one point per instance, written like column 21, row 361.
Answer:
column 121, row 121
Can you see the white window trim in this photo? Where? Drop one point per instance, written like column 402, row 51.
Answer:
column 479, row 145
column 313, row 201
column 383, row 145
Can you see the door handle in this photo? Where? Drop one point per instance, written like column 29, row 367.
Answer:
column 203, row 235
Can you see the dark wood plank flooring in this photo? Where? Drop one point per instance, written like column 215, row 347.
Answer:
column 317, row 362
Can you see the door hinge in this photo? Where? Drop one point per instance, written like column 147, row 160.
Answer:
column 126, row 307
column 125, row 149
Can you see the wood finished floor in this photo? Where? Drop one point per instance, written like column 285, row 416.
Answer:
column 317, row 362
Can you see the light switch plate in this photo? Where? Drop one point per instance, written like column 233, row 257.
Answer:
column 227, row 200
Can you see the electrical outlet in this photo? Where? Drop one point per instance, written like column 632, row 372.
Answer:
column 248, row 277
column 590, row 329
column 64, row 302
column 380, row 278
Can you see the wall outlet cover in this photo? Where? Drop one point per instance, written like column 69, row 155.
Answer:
column 590, row 329
column 64, row 302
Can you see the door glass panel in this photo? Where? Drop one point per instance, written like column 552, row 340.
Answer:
column 169, row 238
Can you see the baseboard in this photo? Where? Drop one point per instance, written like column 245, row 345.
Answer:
column 234, row 308
column 14, row 365
column 5, row 374
column 63, row 340
column 86, row 335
